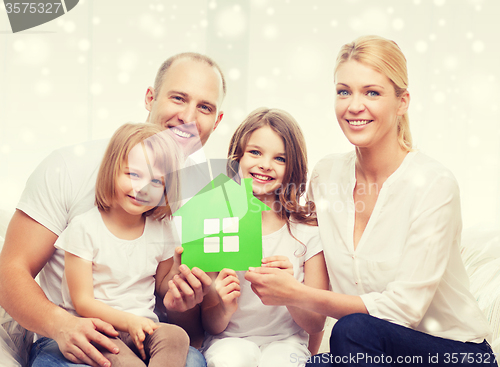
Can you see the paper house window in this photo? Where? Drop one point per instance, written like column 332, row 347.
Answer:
column 229, row 243
column 211, row 226
column 211, row 244
column 230, row 225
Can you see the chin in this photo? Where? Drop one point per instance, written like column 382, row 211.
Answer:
column 358, row 142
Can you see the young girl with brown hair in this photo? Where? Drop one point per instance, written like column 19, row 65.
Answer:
column 269, row 148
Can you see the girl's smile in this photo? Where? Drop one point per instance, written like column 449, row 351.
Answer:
column 135, row 200
column 264, row 162
column 261, row 178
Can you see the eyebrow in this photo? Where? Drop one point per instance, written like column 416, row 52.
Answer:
column 132, row 168
column 253, row 146
column 213, row 106
column 140, row 170
column 257, row 147
column 365, row 86
column 185, row 95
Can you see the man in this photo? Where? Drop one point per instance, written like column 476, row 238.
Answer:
column 186, row 97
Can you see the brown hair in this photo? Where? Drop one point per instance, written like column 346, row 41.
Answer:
column 385, row 57
column 295, row 177
column 192, row 56
column 166, row 156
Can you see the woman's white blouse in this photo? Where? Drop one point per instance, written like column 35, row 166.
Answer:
column 407, row 266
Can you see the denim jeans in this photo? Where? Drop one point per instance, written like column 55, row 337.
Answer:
column 45, row 353
column 364, row 340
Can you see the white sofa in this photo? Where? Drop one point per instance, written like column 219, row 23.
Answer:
column 480, row 252
column 481, row 256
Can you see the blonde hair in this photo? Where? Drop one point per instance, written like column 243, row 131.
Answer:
column 166, row 157
column 295, row 177
column 385, row 57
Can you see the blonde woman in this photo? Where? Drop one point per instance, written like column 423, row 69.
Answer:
column 390, row 223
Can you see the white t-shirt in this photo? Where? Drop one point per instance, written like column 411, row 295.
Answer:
column 407, row 266
column 60, row 188
column 262, row 324
column 123, row 270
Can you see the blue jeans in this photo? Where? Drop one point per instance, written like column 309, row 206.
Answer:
column 45, row 353
column 364, row 340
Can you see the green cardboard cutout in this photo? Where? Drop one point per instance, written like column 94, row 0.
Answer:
column 222, row 226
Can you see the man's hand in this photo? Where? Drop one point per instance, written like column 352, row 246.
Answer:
column 28, row 246
column 228, row 288
column 74, row 341
column 187, row 288
column 138, row 327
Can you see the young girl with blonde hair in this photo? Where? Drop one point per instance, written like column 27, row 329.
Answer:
column 120, row 252
column 269, row 148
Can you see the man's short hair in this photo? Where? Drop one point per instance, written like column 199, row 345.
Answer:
column 189, row 55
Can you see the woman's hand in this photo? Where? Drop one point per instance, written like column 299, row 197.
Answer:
column 138, row 327
column 228, row 289
column 278, row 262
column 274, row 286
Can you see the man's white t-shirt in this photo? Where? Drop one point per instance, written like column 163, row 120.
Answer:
column 60, row 188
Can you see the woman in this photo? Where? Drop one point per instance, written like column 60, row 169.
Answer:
column 390, row 222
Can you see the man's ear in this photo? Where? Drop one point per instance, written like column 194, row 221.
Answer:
column 148, row 100
column 404, row 103
column 221, row 114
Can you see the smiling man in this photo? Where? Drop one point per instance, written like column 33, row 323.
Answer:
column 186, row 97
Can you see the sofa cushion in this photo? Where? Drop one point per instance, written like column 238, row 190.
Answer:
column 481, row 256
column 485, row 286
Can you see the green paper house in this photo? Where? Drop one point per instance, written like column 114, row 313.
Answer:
column 222, row 226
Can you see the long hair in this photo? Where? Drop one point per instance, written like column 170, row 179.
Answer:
column 295, row 177
column 385, row 57
column 165, row 156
